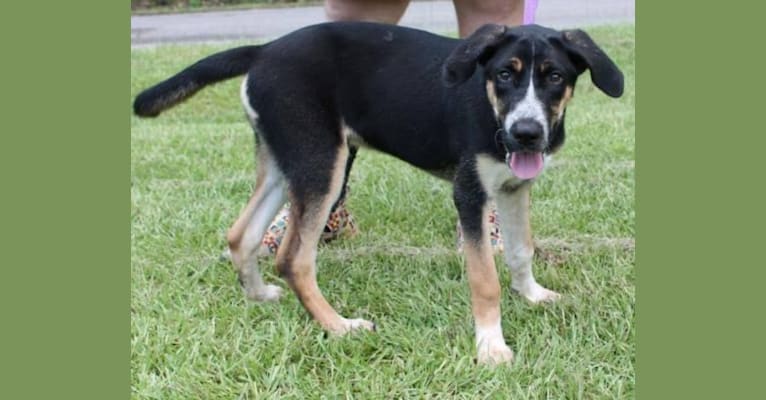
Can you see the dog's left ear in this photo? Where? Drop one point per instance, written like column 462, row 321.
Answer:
column 586, row 54
column 461, row 63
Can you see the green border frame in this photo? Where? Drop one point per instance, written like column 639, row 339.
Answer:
column 698, row 297
column 64, row 156
column 65, row 151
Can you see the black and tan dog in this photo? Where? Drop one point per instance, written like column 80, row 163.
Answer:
column 483, row 113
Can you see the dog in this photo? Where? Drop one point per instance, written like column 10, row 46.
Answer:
column 484, row 112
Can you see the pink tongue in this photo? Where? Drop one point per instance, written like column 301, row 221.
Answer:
column 526, row 165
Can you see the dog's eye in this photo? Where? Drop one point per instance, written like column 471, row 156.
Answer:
column 504, row 75
column 555, row 78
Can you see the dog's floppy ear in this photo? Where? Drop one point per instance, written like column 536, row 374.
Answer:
column 586, row 54
column 461, row 63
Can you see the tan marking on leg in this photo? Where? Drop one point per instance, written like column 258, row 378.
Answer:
column 485, row 286
column 296, row 257
column 485, row 299
column 482, row 277
column 492, row 96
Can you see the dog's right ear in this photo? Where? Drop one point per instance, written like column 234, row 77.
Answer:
column 461, row 63
column 586, row 54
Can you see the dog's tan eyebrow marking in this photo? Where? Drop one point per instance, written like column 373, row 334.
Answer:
column 557, row 109
column 545, row 65
column 492, row 95
column 516, row 64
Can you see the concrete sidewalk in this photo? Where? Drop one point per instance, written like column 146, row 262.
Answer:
column 435, row 16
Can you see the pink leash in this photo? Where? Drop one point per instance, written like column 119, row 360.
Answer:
column 530, row 7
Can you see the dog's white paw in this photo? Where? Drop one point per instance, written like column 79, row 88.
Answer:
column 494, row 352
column 536, row 293
column 350, row 325
column 264, row 293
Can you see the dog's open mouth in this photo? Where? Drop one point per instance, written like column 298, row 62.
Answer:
column 525, row 165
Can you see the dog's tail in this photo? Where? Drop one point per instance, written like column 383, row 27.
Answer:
column 216, row 68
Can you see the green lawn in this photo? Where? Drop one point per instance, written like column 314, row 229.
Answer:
column 194, row 336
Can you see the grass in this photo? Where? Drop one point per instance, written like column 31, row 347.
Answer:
column 193, row 335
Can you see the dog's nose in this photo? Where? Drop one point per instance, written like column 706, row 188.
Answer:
column 527, row 131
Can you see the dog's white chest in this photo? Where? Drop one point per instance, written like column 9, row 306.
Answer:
column 494, row 174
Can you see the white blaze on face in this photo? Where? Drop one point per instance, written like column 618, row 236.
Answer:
column 529, row 107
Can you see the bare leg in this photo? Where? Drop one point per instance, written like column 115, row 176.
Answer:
column 388, row 11
column 471, row 14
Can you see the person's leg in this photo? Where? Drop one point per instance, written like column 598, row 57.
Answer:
column 388, row 11
column 471, row 14
column 340, row 222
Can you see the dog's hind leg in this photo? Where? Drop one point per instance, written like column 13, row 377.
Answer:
column 314, row 189
column 246, row 233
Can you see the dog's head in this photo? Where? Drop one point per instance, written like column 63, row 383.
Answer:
column 530, row 73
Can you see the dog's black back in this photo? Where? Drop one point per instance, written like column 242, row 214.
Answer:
column 382, row 81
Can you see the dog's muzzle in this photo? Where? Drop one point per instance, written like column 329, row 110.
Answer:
column 524, row 144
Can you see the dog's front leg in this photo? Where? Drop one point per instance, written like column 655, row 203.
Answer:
column 472, row 205
column 513, row 214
